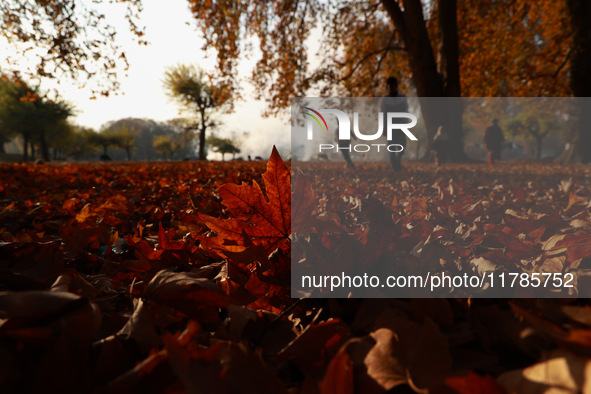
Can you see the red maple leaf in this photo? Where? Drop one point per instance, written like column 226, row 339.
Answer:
column 256, row 218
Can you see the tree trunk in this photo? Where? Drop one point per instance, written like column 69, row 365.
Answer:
column 539, row 147
column 202, row 130
column 202, row 143
column 43, row 146
column 449, row 69
column 577, row 150
column 25, row 148
column 430, row 78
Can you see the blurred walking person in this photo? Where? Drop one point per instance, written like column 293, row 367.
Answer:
column 493, row 140
column 439, row 147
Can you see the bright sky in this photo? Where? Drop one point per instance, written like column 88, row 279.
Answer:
column 173, row 39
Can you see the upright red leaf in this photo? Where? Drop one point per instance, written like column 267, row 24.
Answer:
column 265, row 220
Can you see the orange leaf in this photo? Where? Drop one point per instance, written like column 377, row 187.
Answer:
column 265, row 222
column 339, row 375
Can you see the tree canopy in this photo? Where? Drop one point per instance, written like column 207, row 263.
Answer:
column 72, row 39
column 436, row 48
column 25, row 111
column 189, row 86
column 223, row 145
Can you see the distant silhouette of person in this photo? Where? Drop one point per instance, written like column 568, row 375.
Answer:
column 440, row 146
column 493, row 140
column 395, row 102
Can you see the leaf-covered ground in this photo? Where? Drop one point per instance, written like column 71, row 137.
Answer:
column 521, row 218
column 174, row 277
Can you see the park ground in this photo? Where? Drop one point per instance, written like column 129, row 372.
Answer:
column 149, row 276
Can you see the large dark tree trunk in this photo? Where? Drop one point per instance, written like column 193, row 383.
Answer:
column 578, row 149
column 431, row 77
column 449, row 69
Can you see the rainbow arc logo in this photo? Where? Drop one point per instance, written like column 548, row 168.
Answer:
column 312, row 115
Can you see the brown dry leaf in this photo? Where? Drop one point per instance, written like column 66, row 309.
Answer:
column 63, row 322
column 140, row 326
column 581, row 314
column 420, row 348
column 559, row 372
column 315, row 345
column 381, row 363
column 550, row 243
column 482, row 265
column 225, row 367
column 183, row 291
column 578, row 223
column 553, row 264
column 579, row 251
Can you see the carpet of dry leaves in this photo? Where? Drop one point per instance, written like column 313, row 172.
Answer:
column 175, row 277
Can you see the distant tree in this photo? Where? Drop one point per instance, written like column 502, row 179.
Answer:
column 26, row 111
column 61, row 140
column 104, row 139
column 188, row 86
column 186, row 128
column 16, row 106
column 52, row 120
column 223, row 146
column 532, row 128
column 6, row 133
column 166, row 145
column 144, row 131
column 81, row 144
column 123, row 137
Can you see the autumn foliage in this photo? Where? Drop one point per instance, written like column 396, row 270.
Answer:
column 175, row 277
